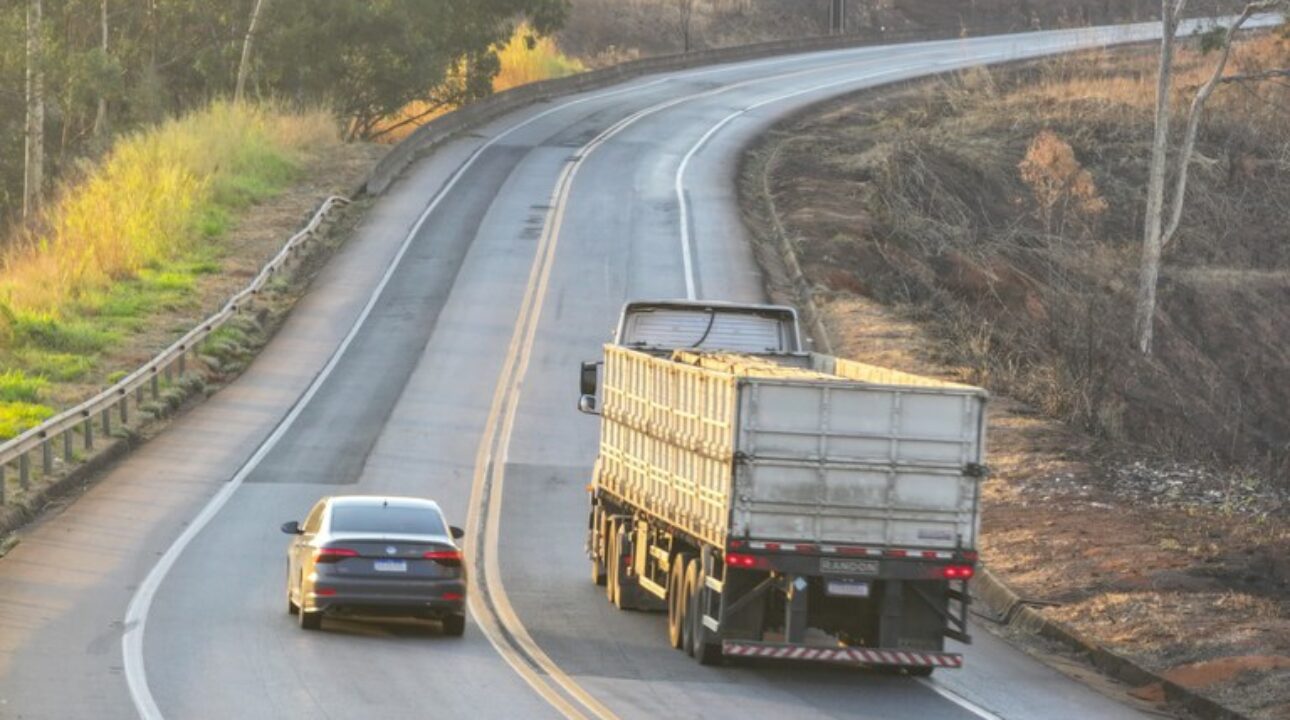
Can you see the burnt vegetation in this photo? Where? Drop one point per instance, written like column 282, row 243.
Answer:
column 1004, row 209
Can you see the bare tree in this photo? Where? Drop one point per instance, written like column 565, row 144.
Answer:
column 1157, row 234
column 34, row 154
column 100, row 118
column 685, row 21
column 244, row 67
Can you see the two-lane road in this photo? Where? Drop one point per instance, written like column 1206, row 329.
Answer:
column 437, row 356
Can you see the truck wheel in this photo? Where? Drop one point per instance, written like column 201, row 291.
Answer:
column 690, row 599
column 919, row 671
column 613, row 565
column 598, row 551
column 677, row 600
column 702, row 645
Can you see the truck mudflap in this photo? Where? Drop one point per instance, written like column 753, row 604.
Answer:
column 842, row 655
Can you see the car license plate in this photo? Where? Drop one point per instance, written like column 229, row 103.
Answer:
column 390, row 566
column 848, row 588
column 848, row 567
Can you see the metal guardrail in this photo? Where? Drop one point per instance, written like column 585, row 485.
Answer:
column 146, row 380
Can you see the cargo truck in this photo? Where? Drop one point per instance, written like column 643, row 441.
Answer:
column 779, row 503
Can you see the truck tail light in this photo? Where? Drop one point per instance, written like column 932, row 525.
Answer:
column 748, row 562
column 957, row 572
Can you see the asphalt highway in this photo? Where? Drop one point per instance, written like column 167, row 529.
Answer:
column 437, row 356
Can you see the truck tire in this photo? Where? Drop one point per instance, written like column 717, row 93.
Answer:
column 613, row 564
column 919, row 672
column 598, row 550
column 622, row 592
column 703, row 644
column 677, row 600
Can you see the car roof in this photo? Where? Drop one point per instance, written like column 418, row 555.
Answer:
column 388, row 500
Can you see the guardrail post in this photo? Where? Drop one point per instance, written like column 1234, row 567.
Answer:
column 89, row 433
column 125, row 408
column 24, row 471
column 2, row 484
column 68, row 437
column 47, row 455
column 138, row 395
column 182, row 363
column 167, row 371
column 156, row 386
column 107, row 422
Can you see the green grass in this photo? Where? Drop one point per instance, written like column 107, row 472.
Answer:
column 15, row 417
column 17, row 386
column 132, row 238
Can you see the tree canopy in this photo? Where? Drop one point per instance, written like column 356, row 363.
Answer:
column 364, row 59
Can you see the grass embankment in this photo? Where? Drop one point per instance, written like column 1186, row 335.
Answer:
column 130, row 238
column 525, row 58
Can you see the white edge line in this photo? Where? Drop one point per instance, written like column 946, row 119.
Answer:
column 136, row 615
column 958, row 700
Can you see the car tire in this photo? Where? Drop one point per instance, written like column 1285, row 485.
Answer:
column 310, row 620
column 292, row 608
column 454, row 625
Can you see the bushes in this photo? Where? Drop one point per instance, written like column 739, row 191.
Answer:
column 132, row 236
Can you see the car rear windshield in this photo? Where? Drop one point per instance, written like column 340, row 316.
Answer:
column 386, row 519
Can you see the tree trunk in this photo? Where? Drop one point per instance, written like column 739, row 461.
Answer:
column 244, row 67
column 100, row 118
column 1144, row 317
column 34, row 154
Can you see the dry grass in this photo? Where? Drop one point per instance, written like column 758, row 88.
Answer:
column 1005, row 208
column 525, row 58
column 130, row 237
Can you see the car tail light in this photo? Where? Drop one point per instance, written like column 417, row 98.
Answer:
column 741, row 560
column 957, row 572
column 333, row 554
column 448, row 558
column 324, row 592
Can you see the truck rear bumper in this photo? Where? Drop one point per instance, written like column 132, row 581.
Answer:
column 841, row 655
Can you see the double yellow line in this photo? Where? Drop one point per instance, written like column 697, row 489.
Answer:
column 489, row 603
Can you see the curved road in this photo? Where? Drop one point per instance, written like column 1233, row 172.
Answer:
column 437, row 356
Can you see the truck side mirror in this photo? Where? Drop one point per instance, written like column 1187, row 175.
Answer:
column 589, row 378
column 587, row 404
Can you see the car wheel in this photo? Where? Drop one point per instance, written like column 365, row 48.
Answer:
column 292, row 608
column 310, row 620
column 454, row 625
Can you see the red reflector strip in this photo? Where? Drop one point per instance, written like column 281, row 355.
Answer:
column 896, row 553
column 804, row 548
column 864, row 656
column 451, row 596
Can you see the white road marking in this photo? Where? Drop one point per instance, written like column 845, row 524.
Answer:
column 958, row 699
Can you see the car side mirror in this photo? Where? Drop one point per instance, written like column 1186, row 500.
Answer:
column 587, row 404
column 292, row 528
column 456, row 532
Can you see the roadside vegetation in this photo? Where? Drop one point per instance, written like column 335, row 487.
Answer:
column 133, row 236
column 987, row 227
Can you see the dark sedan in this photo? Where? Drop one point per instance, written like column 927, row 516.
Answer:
column 376, row 556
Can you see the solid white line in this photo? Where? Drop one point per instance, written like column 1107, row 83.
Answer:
column 958, row 699
column 136, row 616
column 687, row 251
